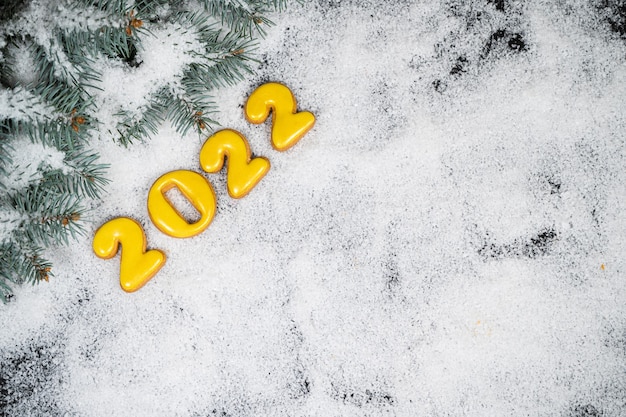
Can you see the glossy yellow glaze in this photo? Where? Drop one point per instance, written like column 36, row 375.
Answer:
column 243, row 173
column 196, row 189
column 288, row 125
column 137, row 266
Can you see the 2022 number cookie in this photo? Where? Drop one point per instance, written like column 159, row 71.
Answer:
column 138, row 265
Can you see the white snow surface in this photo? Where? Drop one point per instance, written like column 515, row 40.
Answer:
column 163, row 54
column 444, row 242
column 22, row 105
column 30, row 161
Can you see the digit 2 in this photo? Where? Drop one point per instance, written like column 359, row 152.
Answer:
column 137, row 266
column 243, row 173
column 288, row 125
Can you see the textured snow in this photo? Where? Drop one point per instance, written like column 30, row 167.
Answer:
column 9, row 221
column 164, row 54
column 448, row 240
column 30, row 161
column 42, row 15
column 22, row 105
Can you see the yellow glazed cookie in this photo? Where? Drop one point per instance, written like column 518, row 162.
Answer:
column 288, row 125
column 196, row 189
column 137, row 266
column 243, row 173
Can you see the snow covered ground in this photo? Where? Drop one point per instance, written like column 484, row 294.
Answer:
column 449, row 239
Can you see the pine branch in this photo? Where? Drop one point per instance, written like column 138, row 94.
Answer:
column 5, row 151
column 57, row 133
column 22, row 105
column 225, row 70
column 138, row 127
column 245, row 17
column 7, row 74
column 21, row 264
column 188, row 111
column 114, row 43
column 66, row 99
column 152, row 7
column 82, row 47
column 109, row 6
column 84, row 176
column 48, row 216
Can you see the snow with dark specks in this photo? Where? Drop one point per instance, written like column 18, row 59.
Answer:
column 448, row 240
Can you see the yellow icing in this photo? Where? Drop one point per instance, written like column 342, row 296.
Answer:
column 243, row 173
column 288, row 125
column 137, row 266
column 196, row 189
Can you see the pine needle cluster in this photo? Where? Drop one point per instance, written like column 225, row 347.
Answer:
column 53, row 57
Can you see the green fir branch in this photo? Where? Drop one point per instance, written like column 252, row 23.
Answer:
column 57, row 133
column 65, row 98
column 48, row 216
column 83, row 176
column 19, row 264
column 5, row 151
column 244, row 16
column 109, row 6
column 114, row 43
column 140, row 126
column 186, row 112
column 53, row 64
column 150, row 8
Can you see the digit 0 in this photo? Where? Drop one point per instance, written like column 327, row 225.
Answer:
column 243, row 173
column 137, row 266
column 196, row 189
column 288, row 125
